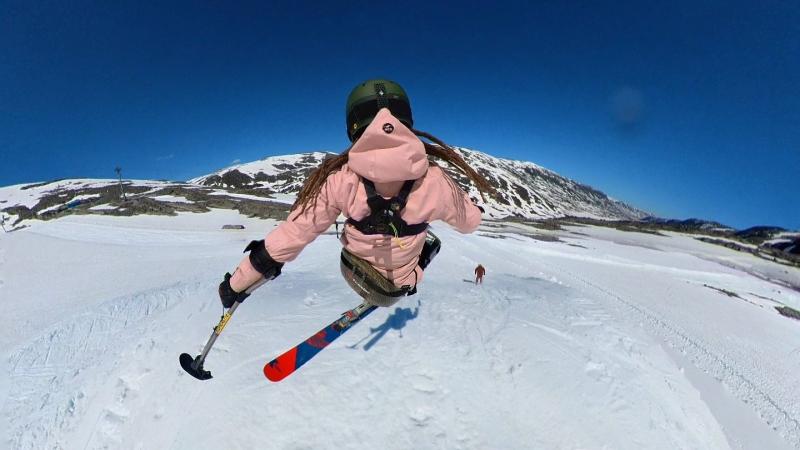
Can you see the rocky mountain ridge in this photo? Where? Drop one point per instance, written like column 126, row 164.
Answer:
column 527, row 191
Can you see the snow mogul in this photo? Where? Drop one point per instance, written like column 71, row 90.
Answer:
column 389, row 191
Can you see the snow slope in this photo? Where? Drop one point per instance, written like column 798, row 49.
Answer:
column 601, row 339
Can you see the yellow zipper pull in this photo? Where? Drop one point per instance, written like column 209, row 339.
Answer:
column 397, row 236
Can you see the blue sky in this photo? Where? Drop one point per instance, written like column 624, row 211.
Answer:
column 682, row 109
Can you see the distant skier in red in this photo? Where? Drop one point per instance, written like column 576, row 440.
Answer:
column 480, row 271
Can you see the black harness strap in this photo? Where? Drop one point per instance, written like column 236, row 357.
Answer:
column 384, row 217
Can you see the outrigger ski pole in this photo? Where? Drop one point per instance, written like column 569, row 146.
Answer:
column 194, row 366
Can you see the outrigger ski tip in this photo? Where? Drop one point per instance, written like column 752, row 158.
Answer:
column 197, row 371
column 194, row 365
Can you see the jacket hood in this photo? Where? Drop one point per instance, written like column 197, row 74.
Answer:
column 388, row 151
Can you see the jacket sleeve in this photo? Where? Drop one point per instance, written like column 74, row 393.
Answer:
column 286, row 241
column 456, row 208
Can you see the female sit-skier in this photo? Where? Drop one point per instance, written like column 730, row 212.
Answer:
column 388, row 190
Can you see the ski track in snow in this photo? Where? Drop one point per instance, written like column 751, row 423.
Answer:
column 745, row 388
column 4, row 383
column 2, row 266
column 720, row 367
column 54, row 375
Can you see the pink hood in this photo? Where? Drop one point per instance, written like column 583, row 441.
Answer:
column 388, row 151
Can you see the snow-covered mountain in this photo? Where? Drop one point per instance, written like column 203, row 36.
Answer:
column 526, row 189
column 284, row 174
column 51, row 200
column 266, row 187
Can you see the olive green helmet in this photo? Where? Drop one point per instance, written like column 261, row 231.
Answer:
column 367, row 98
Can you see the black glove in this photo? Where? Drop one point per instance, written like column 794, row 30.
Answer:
column 227, row 295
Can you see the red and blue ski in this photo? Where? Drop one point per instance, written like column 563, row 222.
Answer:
column 294, row 358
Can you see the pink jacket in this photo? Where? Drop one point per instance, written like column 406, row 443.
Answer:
column 388, row 153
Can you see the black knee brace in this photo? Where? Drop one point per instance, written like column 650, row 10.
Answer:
column 261, row 261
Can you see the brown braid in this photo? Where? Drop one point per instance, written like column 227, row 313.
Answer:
column 313, row 184
column 447, row 154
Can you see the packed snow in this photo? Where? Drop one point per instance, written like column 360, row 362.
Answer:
column 278, row 198
column 597, row 339
column 172, row 198
column 103, row 207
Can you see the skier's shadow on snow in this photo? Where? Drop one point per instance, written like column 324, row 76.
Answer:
column 396, row 321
